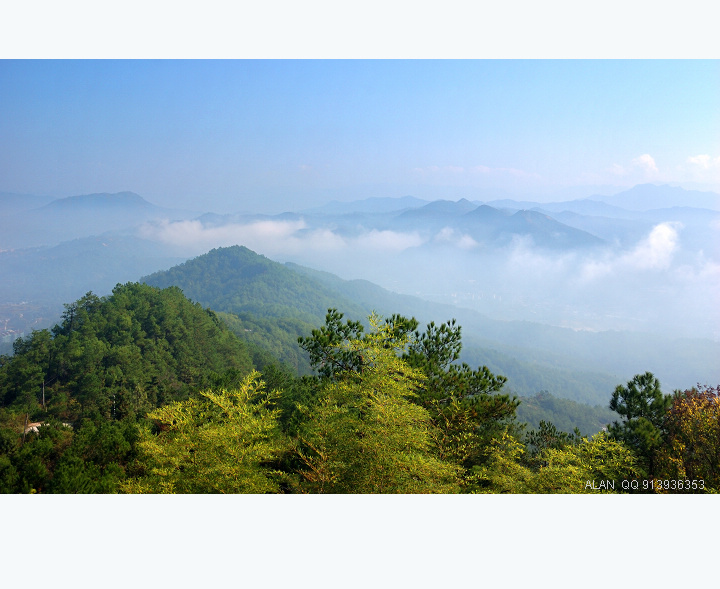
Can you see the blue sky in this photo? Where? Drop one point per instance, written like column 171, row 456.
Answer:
column 267, row 135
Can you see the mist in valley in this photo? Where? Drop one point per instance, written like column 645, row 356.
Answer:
column 536, row 201
column 659, row 283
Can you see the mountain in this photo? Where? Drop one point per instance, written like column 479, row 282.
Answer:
column 119, row 201
column 261, row 296
column 262, row 301
column 548, row 232
column 566, row 415
column 584, row 206
column 624, row 231
column 429, row 218
column 80, row 216
column 67, row 271
column 644, row 197
column 123, row 354
column 491, row 226
column 237, row 280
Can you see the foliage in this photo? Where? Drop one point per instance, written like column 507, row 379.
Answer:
column 364, row 435
column 390, row 410
column 596, row 465
column 223, row 442
column 326, row 346
column 270, row 339
column 263, row 302
column 463, row 403
column 692, row 446
column 119, row 356
column 107, row 363
column 237, row 280
column 466, row 404
column 547, row 437
column 642, row 406
column 59, row 459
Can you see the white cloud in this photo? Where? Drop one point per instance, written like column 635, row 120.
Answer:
column 194, row 233
column 445, row 235
column 274, row 237
column 704, row 161
column 449, row 236
column 646, row 162
column 656, row 251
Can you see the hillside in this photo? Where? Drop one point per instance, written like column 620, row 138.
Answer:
column 237, row 280
column 271, row 304
column 262, row 301
column 566, row 415
column 73, row 399
column 120, row 356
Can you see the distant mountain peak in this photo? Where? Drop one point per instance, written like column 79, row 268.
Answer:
column 485, row 212
column 100, row 199
column 450, row 206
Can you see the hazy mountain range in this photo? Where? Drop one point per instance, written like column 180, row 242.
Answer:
column 608, row 285
column 27, row 221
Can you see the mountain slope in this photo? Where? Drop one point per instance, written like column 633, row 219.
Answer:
column 262, row 301
column 269, row 300
column 121, row 355
column 237, row 280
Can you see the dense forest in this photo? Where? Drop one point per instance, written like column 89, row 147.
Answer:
column 144, row 391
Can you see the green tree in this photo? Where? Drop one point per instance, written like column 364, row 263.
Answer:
column 224, row 442
column 364, row 435
column 643, row 407
column 595, row 465
column 465, row 405
column 327, row 347
column 547, row 436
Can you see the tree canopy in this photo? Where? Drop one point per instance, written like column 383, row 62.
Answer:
column 143, row 391
column 364, row 434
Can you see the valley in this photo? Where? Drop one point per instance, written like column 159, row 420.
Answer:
column 522, row 284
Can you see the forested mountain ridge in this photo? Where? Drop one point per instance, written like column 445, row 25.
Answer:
column 237, row 280
column 100, row 371
column 121, row 355
column 289, row 300
column 272, row 304
column 262, row 301
column 145, row 391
